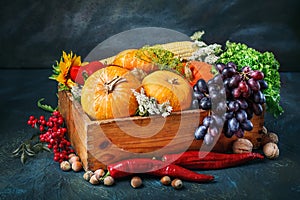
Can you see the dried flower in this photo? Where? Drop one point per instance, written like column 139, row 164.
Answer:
column 149, row 105
column 205, row 53
column 76, row 92
column 197, row 35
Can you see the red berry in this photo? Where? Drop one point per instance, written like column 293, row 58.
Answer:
column 42, row 117
column 31, row 117
column 64, row 130
column 50, row 146
column 56, row 159
column 49, row 124
column 42, row 128
column 52, row 141
column 55, row 113
column 60, row 122
column 29, row 122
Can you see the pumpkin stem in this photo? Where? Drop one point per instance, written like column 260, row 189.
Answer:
column 173, row 81
column 109, row 86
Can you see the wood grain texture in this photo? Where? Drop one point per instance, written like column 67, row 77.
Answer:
column 102, row 142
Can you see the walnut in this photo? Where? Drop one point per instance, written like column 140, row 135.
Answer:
column 271, row 150
column 242, row 145
column 269, row 137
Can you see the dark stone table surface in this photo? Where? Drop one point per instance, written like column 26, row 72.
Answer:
column 41, row 178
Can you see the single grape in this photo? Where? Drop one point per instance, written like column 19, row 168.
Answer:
column 247, row 125
column 202, row 86
column 208, row 139
column 233, row 125
column 205, row 103
column 247, row 94
column 195, row 88
column 236, row 92
column 242, row 103
column 249, row 112
column 198, row 95
column 228, row 134
column 226, row 82
column 213, row 131
column 220, row 67
column 228, row 72
column 207, row 121
column 234, row 81
column 217, row 121
column 257, row 75
column 232, row 65
column 246, row 69
column 259, row 97
column 229, row 115
column 220, row 108
column 257, row 109
column 195, row 104
column 233, row 106
column 241, row 115
column 239, row 133
column 243, row 86
column 253, row 84
column 263, row 84
column 200, row 132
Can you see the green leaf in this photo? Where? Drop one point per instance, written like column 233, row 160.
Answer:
column 23, row 157
column 46, row 148
column 44, row 106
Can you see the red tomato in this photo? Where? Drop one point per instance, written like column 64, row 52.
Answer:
column 76, row 72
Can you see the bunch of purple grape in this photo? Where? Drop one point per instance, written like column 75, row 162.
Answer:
column 213, row 94
column 244, row 97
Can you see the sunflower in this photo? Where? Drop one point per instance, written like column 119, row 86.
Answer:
column 62, row 68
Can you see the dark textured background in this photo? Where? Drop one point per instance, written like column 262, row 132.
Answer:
column 34, row 32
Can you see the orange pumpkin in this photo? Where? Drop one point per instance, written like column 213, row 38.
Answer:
column 168, row 86
column 107, row 93
column 135, row 58
column 195, row 70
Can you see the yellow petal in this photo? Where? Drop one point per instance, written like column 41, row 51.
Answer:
column 77, row 61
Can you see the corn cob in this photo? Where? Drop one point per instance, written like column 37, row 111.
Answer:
column 183, row 49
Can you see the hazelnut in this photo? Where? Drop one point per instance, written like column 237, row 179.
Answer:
column 108, row 181
column 71, row 155
column 65, row 165
column 99, row 173
column 87, row 175
column 165, row 180
column 177, row 184
column 93, row 180
column 271, row 150
column 270, row 137
column 264, row 130
column 136, row 182
column 73, row 159
column 76, row 166
column 242, row 145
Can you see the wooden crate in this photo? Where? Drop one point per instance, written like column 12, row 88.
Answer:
column 99, row 143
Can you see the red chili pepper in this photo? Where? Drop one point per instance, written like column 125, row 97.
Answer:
column 210, row 160
column 156, row 168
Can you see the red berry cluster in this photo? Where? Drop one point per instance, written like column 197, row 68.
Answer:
column 53, row 132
